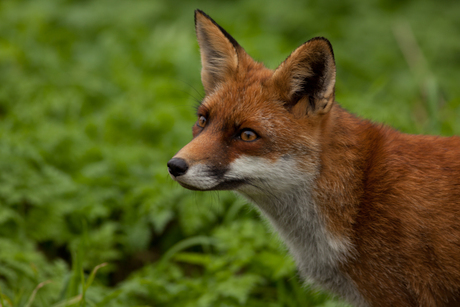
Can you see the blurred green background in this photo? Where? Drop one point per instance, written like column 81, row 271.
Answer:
column 96, row 96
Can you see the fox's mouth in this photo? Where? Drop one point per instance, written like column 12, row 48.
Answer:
column 222, row 186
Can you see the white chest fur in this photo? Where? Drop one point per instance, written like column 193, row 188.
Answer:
column 283, row 195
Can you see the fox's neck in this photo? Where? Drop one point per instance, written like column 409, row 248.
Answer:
column 317, row 207
column 301, row 225
column 347, row 151
column 314, row 216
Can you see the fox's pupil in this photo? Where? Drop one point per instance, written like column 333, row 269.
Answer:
column 202, row 121
column 248, row 136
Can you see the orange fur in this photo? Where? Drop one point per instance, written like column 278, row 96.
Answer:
column 390, row 200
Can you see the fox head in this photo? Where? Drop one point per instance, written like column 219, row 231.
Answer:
column 258, row 130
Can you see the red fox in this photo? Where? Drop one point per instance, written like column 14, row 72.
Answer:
column 367, row 212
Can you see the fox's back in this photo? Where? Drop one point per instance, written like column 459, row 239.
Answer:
column 407, row 226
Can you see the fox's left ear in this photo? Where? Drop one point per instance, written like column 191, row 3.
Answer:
column 219, row 51
column 306, row 79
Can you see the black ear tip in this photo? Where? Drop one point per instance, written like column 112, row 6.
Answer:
column 321, row 39
column 324, row 41
column 197, row 11
column 200, row 12
column 228, row 36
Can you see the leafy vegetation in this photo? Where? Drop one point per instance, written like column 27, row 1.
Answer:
column 96, row 96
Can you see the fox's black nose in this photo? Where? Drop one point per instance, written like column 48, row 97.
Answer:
column 177, row 167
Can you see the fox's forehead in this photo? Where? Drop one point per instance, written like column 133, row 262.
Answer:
column 237, row 104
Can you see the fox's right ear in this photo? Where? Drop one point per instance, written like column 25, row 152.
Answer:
column 305, row 80
column 219, row 51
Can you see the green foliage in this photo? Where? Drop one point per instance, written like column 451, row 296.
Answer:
column 96, row 96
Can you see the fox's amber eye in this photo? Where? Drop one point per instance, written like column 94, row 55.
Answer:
column 202, row 121
column 248, row 135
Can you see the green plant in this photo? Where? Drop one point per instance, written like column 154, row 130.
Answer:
column 96, row 96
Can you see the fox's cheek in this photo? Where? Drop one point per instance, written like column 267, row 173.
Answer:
column 249, row 167
column 196, row 130
column 265, row 173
